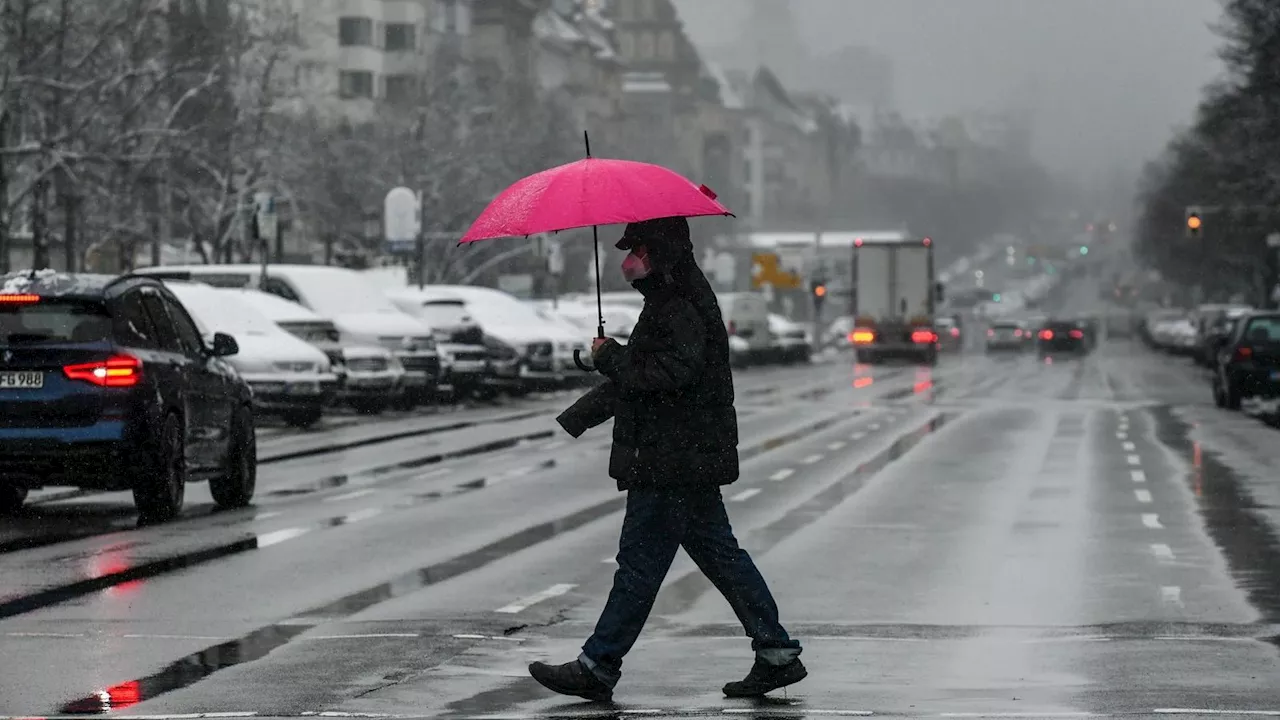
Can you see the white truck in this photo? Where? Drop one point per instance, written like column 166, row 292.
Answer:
column 893, row 297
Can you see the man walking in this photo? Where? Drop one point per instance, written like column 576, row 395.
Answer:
column 675, row 437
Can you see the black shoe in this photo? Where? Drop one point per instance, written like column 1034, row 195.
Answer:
column 571, row 678
column 765, row 678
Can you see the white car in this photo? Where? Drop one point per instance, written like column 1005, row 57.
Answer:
column 459, row 338
column 289, row 377
column 790, row 341
column 618, row 319
column 369, row 376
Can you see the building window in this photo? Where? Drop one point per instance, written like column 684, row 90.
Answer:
column 452, row 17
column 355, row 32
column 667, row 45
column 400, row 89
column 400, row 37
column 355, row 84
column 644, row 47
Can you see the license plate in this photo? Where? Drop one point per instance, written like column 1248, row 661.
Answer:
column 31, row 380
column 302, row 388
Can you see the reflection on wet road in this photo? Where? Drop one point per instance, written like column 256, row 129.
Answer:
column 993, row 537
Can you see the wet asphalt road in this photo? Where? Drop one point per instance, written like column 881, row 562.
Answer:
column 995, row 536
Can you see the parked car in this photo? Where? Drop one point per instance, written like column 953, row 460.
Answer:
column 619, row 319
column 459, row 338
column 107, row 384
column 290, row 378
column 790, row 342
column 949, row 333
column 369, row 376
column 1248, row 364
column 356, row 305
column 526, row 351
column 1213, row 328
column 746, row 316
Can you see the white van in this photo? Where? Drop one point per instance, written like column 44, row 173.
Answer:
column 362, row 314
column 746, row 317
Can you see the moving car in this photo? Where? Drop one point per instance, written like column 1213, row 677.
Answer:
column 1006, row 335
column 789, row 340
column 1062, row 337
column 106, row 384
column 355, row 304
column 290, row 378
column 1249, row 363
column 369, row 376
column 949, row 333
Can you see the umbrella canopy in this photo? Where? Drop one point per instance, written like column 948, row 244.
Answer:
column 591, row 192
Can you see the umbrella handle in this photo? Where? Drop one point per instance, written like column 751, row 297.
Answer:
column 577, row 360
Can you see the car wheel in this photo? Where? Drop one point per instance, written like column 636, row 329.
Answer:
column 1230, row 396
column 11, row 498
column 159, row 490
column 234, row 488
column 304, row 418
column 1219, row 398
column 370, row 406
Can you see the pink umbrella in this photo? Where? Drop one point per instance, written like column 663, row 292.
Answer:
column 589, row 193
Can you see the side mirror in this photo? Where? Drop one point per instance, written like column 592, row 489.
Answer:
column 224, row 345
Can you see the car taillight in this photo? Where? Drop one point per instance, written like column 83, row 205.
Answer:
column 923, row 336
column 862, row 337
column 1244, row 353
column 1017, row 333
column 117, row 371
column 991, row 333
column 1046, row 334
column 955, row 332
column 19, row 298
column 1077, row 334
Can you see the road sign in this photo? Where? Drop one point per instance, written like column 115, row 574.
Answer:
column 400, row 224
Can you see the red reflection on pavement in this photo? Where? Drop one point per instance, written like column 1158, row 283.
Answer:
column 114, row 563
column 922, row 386
column 862, row 382
column 124, row 695
column 1197, row 478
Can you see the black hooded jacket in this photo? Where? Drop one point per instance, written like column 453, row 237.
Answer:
column 670, row 389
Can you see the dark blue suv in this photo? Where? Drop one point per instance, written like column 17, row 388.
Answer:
column 106, row 384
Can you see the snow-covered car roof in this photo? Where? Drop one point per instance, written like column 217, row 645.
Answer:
column 275, row 307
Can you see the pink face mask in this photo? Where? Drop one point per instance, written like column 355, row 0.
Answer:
column 636, row 267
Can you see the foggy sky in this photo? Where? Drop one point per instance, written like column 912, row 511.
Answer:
column 1108, row 79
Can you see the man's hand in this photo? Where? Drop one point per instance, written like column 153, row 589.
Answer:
column 596, row 344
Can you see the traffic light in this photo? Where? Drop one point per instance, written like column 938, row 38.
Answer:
column 995, row 297
column 1195, row 223
column 1084, row 249
column 819, row 294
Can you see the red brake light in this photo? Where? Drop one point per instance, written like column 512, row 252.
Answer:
column 19, row 298
column 923, row 336
column 1244, row 353
column 117, row 371
column 1046, row 334
column 1077, row 334
column 955, row 332
column 991, row 333
column 1017, row 333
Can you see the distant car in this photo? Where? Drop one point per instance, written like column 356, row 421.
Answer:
column 950, row 335
column 1061, row 337
column 1007, row 336
column 291, row 379
column 106, row 384
column 1249, row 363
column 789, row 340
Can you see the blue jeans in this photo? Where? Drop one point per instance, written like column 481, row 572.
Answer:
column 658, row 522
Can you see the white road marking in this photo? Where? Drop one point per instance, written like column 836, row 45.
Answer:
column 433, row 473
column 142, row 636
column 555, row 444
column 552, row 592
column 359, row 515
column 469, row 636
column 1152, row 521
column 267, row 515
column 835, row 445
column 366, row 635
column 350, row 496
column 782, row 474
column 1171, row 594
column 1138, row 476
column 1144, row 496
column 1130, row 447
column 1162, row 551
column 1067, row 714
column 1122, row 436
column 811, row 459
column 857, row 436
column 44, row 635
column 1134, row 460
column 745, row 495
column 874, row 428
column 278, row 536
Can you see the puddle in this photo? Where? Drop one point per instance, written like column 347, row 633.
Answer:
column 1246, row 539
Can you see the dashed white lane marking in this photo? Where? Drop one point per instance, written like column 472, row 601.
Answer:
column 469, row 636
column 143, row 636
column 857, row 436
column 745, row 495
column 1067, row 714
column 268, row 515
column 350, row 496
column 782, row 474
column 1171, row 594
column 359, row 515
column 364, row 636
column 1134, row 460
column 874, row 428
column 555, row 444
column 1138, row 476
column 278, row 536
column 1130, row 447
column 1122, row 436
column 552, row 592
column 42, row 635
column 1144, row 496
column 835, row 445
column 1152, row 521
column 1162, row 551
column 811, row 459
